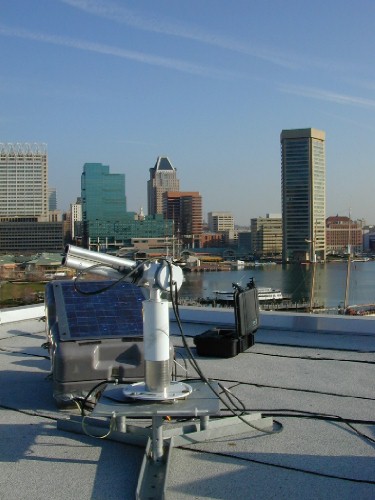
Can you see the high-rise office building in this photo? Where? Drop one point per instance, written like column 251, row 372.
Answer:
column 25, row 222
column 103, row 193
column 52, row 199
column 103, row 201
column 23, row 181
column 303, row 170
column 184, row 208
column 344, row 235
column 266, row 234
column 220, row 222
column 163, row 177
column 106, row 223
column 76, row 219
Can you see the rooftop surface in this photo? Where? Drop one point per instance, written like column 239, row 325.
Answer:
column 303, row 374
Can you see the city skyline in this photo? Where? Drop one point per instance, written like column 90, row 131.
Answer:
column 209, row 85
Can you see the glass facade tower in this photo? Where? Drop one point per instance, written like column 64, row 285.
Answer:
column 103, row 193
column 303, row 194
column 103, row 201
column 106, row 223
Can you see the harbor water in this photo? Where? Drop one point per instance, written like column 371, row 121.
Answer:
column 294, row 281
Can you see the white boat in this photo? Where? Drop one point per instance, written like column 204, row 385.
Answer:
column 238, row 263
column 264, row 295
column 269, row 294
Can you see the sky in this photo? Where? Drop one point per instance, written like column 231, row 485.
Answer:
column 208, row 83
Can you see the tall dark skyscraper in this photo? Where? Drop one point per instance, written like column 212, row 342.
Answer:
column 184, row 208
column 303, row 183
column 163, row 178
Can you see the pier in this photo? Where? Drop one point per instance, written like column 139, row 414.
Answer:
column 284, row 305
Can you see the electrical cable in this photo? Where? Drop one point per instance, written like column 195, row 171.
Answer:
column 23, row 334
column 227, row 455
column 311, row 391
column 230, row 395
column 283, row 344
column 319, row 416
column 279, row 466
column 310, row 358
column 112, row 427
column 281, row 412
column 84, row 401
column 176, row 363
column 104, row 288
column 310, row 414
column 30, row 413
column 236, row 411
column 174, row 299
column 2, row 349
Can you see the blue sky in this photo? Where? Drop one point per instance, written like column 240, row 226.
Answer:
column 208, row 83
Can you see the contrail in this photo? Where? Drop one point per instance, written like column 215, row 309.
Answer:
column 326, row 95
column 119, row 14
column 174, row 64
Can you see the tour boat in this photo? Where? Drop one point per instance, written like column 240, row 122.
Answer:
column 265, row 294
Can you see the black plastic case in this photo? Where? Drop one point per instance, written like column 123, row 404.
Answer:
column 228, row 342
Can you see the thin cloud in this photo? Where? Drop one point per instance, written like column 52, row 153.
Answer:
column 347, row 119
column 141, row 57
column 15, row 86
column 326, row 95
column 137, row 143
column 363, row 83
column 112, row 12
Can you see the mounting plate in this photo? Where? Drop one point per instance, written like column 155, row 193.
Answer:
column 175, row 390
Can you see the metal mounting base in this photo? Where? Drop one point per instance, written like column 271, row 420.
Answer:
column 159, row 441
column 175, row 390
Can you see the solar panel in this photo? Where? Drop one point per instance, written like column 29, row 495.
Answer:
column 113, row 313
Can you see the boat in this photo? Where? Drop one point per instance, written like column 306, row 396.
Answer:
column 238, row 263
column 265, row 294
column 360, row 310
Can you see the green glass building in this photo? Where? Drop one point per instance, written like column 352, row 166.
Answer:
column 103, row 193
column 106, row 223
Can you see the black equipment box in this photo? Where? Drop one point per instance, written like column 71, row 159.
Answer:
column 228, row 342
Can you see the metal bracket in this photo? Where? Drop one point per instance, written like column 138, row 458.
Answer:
column 159, row 442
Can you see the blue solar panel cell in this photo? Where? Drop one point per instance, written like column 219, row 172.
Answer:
column 83, row 314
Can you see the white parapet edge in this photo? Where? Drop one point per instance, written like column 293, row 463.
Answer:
column 14, row 314
column 269, row 320
column 273, row 320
